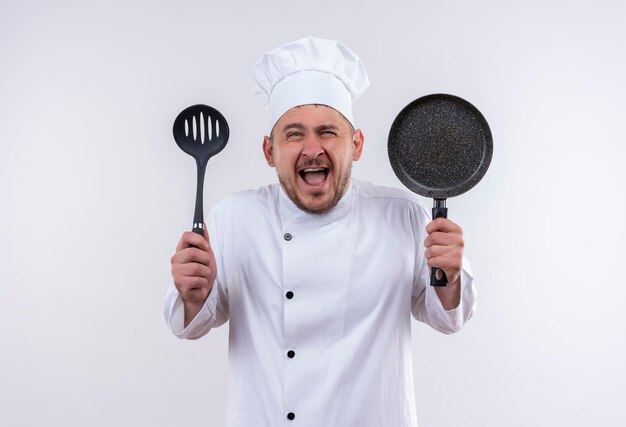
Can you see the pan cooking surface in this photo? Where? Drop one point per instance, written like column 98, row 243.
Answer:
column 440, row 146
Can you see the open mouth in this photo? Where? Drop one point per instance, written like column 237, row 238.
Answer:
column 314, row 176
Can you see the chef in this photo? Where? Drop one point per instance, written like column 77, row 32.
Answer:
column 320, row 273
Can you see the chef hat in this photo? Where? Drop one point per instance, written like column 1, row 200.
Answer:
column 309, row 71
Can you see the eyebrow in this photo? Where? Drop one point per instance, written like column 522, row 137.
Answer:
column 300, row 126
column 295, row 125
column 326, row 127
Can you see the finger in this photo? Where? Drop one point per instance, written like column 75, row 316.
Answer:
column 189, row 283
column 447, row 251
column 452, row 273
column 437, row 251
column 192, row 255
column 443, row 225
column 181, row 245
column 444, row 239
column 193, row 270
column 189, row 239
column 448, row 265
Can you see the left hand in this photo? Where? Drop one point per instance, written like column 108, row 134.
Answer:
column 444, row 247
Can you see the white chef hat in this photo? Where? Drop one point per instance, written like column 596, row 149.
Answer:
column 309, row 71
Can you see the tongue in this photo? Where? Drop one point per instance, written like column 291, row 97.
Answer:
column 314, row 178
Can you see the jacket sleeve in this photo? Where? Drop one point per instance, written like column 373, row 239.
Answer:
column 425, row 304
column 215, row 310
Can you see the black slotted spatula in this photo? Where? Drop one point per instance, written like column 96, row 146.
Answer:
column 202, row 132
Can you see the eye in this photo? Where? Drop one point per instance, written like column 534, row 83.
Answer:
column 328, row 133
column 294, row 134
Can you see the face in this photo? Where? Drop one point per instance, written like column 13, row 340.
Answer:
column 312, row 148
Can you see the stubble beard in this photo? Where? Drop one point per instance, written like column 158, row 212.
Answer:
column 293, row 196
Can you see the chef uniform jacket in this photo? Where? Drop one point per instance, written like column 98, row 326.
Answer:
column 320, row 306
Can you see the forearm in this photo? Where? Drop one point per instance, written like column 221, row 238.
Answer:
column 191, row 311
column 450, row 296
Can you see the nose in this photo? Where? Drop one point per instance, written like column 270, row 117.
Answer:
column 312, row 147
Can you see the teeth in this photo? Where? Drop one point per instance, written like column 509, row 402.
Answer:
column 313, row 170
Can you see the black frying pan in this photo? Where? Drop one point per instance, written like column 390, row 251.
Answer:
column 440, row 146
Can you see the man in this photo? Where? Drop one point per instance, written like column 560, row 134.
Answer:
column 318, row 275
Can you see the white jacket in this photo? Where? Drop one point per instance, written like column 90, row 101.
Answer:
column 320, row 307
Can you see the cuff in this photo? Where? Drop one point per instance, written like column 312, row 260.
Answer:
column 450, row 321
column 175, row 316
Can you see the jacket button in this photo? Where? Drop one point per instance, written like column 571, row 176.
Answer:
column 288, row 236
column 291, row 354
column 291, row 416
column 289, row 295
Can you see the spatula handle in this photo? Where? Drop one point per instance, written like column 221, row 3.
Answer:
column 198, row 229
column 437, row 275
column 198, row 214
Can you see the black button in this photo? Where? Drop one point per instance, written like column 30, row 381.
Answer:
column 289, row 295
column 291, row 354
column 291, row 415
column 288, row 236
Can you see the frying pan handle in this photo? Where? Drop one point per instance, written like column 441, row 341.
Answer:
column 440, row 212
column 437, row 276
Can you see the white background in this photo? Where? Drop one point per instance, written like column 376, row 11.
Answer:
column 95, row 193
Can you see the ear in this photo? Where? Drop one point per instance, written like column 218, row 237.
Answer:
column 358, row 140
column 268, row 151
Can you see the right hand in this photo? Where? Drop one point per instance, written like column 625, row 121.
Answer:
column 194, row 271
